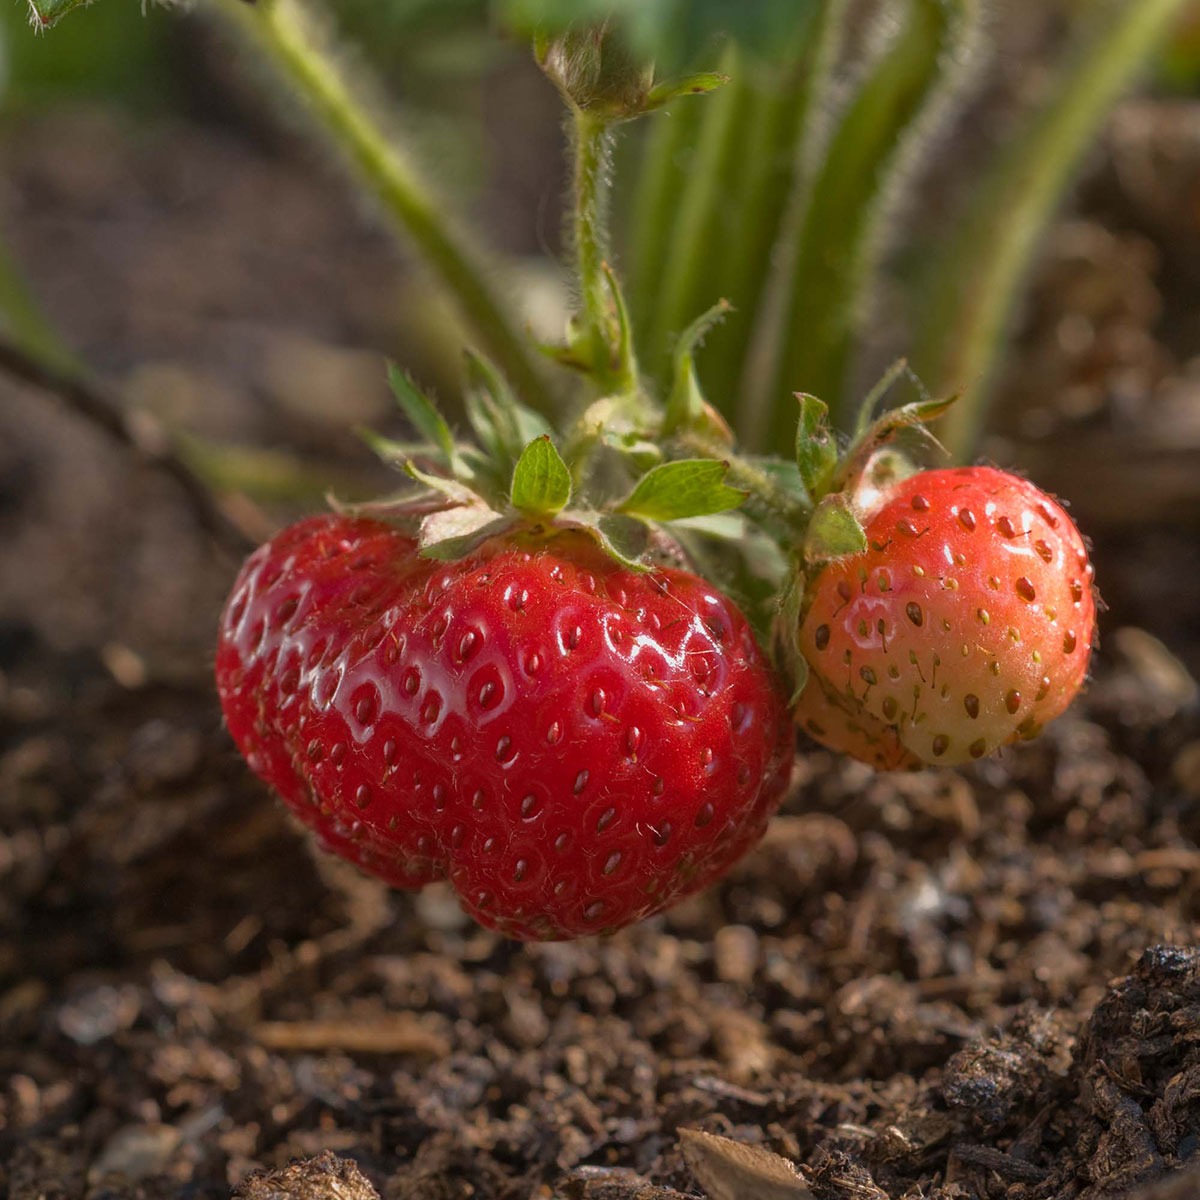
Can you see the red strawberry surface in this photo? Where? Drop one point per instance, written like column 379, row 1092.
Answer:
column 966, row 624
column 573, row 744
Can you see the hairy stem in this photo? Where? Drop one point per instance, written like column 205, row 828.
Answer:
column 286, row 33
column 592, row 140
column 974, row 288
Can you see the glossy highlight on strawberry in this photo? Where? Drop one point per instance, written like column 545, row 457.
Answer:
column 966, row 624
column 574, row 745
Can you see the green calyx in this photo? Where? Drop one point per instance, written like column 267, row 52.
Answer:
column 613, row 477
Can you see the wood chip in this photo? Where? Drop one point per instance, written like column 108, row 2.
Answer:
column 729, row 1170
column 399, row 1033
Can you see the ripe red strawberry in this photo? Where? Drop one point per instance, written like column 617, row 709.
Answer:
column 573, row 744
column 966, row 624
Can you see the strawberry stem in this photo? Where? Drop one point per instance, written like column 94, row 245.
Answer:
column 604, row 346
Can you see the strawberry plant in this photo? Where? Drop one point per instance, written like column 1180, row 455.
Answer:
column 555, row 667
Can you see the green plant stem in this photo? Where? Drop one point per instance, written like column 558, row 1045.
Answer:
column 841, row 228
column 973, row 290
column 286, row 33
column 592, row 139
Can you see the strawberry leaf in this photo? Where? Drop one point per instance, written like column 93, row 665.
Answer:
column 833, row 531
column 689, row 487
column 816, row 447
column 426, row 419
column 388, row 449
column 541, row 483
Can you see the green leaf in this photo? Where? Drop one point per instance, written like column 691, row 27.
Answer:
column 833, row 531
column 626, row 375
column 520, row 422
column 419, row 409
column 816, row 446
column 844, row 225
column 689, row 487
column 541, row 483
column 46, row 12
column 635, row 446
column 624, row 538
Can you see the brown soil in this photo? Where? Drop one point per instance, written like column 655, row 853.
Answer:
column 944, row 985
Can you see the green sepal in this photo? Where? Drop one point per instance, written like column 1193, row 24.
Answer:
column 833, row 531
column 457, row 545
column 45, row 13
column 387, row 449
column 454, row 491
column 626, row 361
column 426, row 419
column 688, row 487
column 641, row 453
column 789, row 657
column 816, row 446
column 541, row 483
column 686, row 406
column 516, row 423
column 690, row 85
column 916, row 416
column 566, row 356
column 621, row 537
column 866, row 410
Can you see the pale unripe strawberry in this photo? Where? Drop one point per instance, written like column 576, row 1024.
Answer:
column 967, row 623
